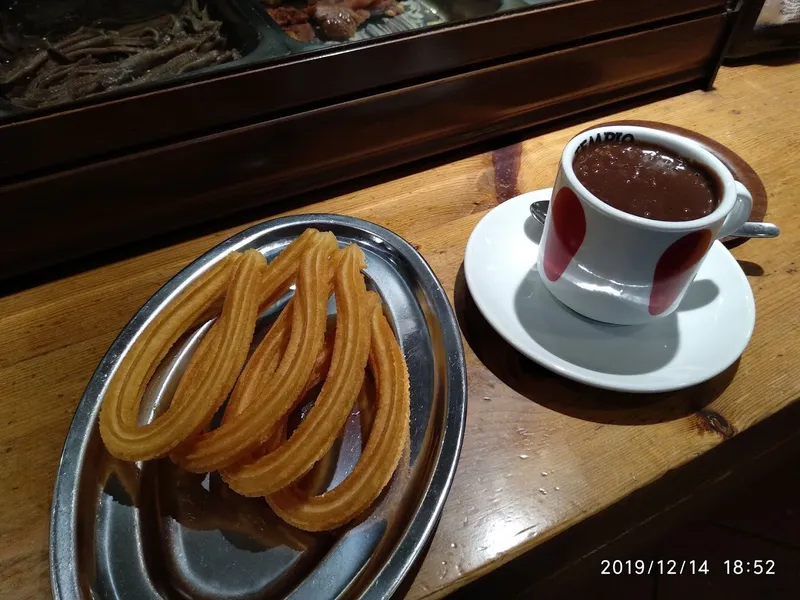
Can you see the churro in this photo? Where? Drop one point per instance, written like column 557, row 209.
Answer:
column 236, row 438
column 210, row 375
column 280, row 274
column 357, row 361
column 237, row 404
column 282, row 271
column 380, row 457
column 317, row 433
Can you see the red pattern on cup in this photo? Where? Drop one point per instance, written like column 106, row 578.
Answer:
column 674, row 268
column 568, row 230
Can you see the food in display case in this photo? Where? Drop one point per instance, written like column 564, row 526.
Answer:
column 333, row 19
column 41, row 71
column 294, row 22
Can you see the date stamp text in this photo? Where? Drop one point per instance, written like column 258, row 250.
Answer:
column 686, row 567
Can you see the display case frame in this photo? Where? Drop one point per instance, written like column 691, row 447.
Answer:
column 180, row 155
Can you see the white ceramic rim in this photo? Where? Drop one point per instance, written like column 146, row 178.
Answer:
column 672, row 141
column 639, row 384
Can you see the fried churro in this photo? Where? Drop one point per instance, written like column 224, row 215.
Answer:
column 240, row 435
column 380, row 457
column 209, row 376
column 282, row 271
column 252, row 447
column 317, row 433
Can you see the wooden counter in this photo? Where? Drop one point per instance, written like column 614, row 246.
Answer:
column 541, row 454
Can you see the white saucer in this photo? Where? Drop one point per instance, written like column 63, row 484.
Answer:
column 702, row 338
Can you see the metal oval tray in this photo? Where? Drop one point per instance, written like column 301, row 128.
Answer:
column 149, row 530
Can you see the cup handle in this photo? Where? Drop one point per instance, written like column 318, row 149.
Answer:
column 740, row 213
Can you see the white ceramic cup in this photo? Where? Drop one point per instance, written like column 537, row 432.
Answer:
column 620, row 268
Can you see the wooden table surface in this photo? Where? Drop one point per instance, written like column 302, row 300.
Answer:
column 540, row 454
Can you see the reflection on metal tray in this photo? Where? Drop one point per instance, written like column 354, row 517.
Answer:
column 122, row 530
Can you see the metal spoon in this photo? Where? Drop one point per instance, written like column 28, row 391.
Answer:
column 750, row 229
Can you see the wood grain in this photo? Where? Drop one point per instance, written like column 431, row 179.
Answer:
column 541, row 454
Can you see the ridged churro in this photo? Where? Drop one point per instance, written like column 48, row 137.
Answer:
column 237, row 437
column 316, row 434
column 282, row 271
column 380, row 457
column 253, row 447
column 210, row 375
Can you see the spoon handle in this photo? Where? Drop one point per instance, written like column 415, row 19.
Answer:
column 757, row 230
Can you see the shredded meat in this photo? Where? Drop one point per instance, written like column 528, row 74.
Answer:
column 93, row 59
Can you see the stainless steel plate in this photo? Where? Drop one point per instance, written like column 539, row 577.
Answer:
column 146, row 531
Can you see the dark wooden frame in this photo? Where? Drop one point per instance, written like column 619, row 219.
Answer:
column 82, row 193
column 276, row 88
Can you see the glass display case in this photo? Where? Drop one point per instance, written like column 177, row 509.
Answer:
column 62, row 52
column 55, row 54
column 120, row 119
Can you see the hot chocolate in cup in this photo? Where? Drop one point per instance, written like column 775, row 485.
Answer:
column 629, row 256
